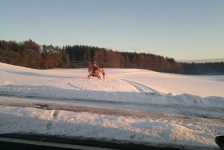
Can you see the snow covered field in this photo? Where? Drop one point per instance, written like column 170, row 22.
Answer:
column 134, row 105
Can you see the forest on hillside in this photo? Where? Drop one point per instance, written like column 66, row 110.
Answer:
column 32, row 55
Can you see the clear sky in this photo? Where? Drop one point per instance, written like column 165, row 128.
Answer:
column 181, row 29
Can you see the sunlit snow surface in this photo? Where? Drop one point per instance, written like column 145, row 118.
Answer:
column 133, row 105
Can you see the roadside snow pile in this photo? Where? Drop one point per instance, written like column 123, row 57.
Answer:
column 108, row 127
column 4, row 83
column 189, row 109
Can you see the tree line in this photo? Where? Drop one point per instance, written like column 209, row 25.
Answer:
column 113, row 59
column 216, row 68
column 32, row 55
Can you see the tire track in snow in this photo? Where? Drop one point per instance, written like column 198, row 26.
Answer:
column 142, row 88
column 73, row 86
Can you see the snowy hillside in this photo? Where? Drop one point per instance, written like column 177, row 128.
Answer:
column 133, row 105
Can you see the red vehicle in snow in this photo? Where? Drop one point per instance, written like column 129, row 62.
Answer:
column 95, row 71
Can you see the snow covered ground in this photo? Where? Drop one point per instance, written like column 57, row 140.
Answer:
column 130, row 105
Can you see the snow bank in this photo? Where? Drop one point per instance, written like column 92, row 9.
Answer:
column 119, row 128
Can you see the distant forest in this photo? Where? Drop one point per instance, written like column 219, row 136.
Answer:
column 32, row 55
column 113, row 59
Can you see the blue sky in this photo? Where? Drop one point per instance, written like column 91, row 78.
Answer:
column 181, row 29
